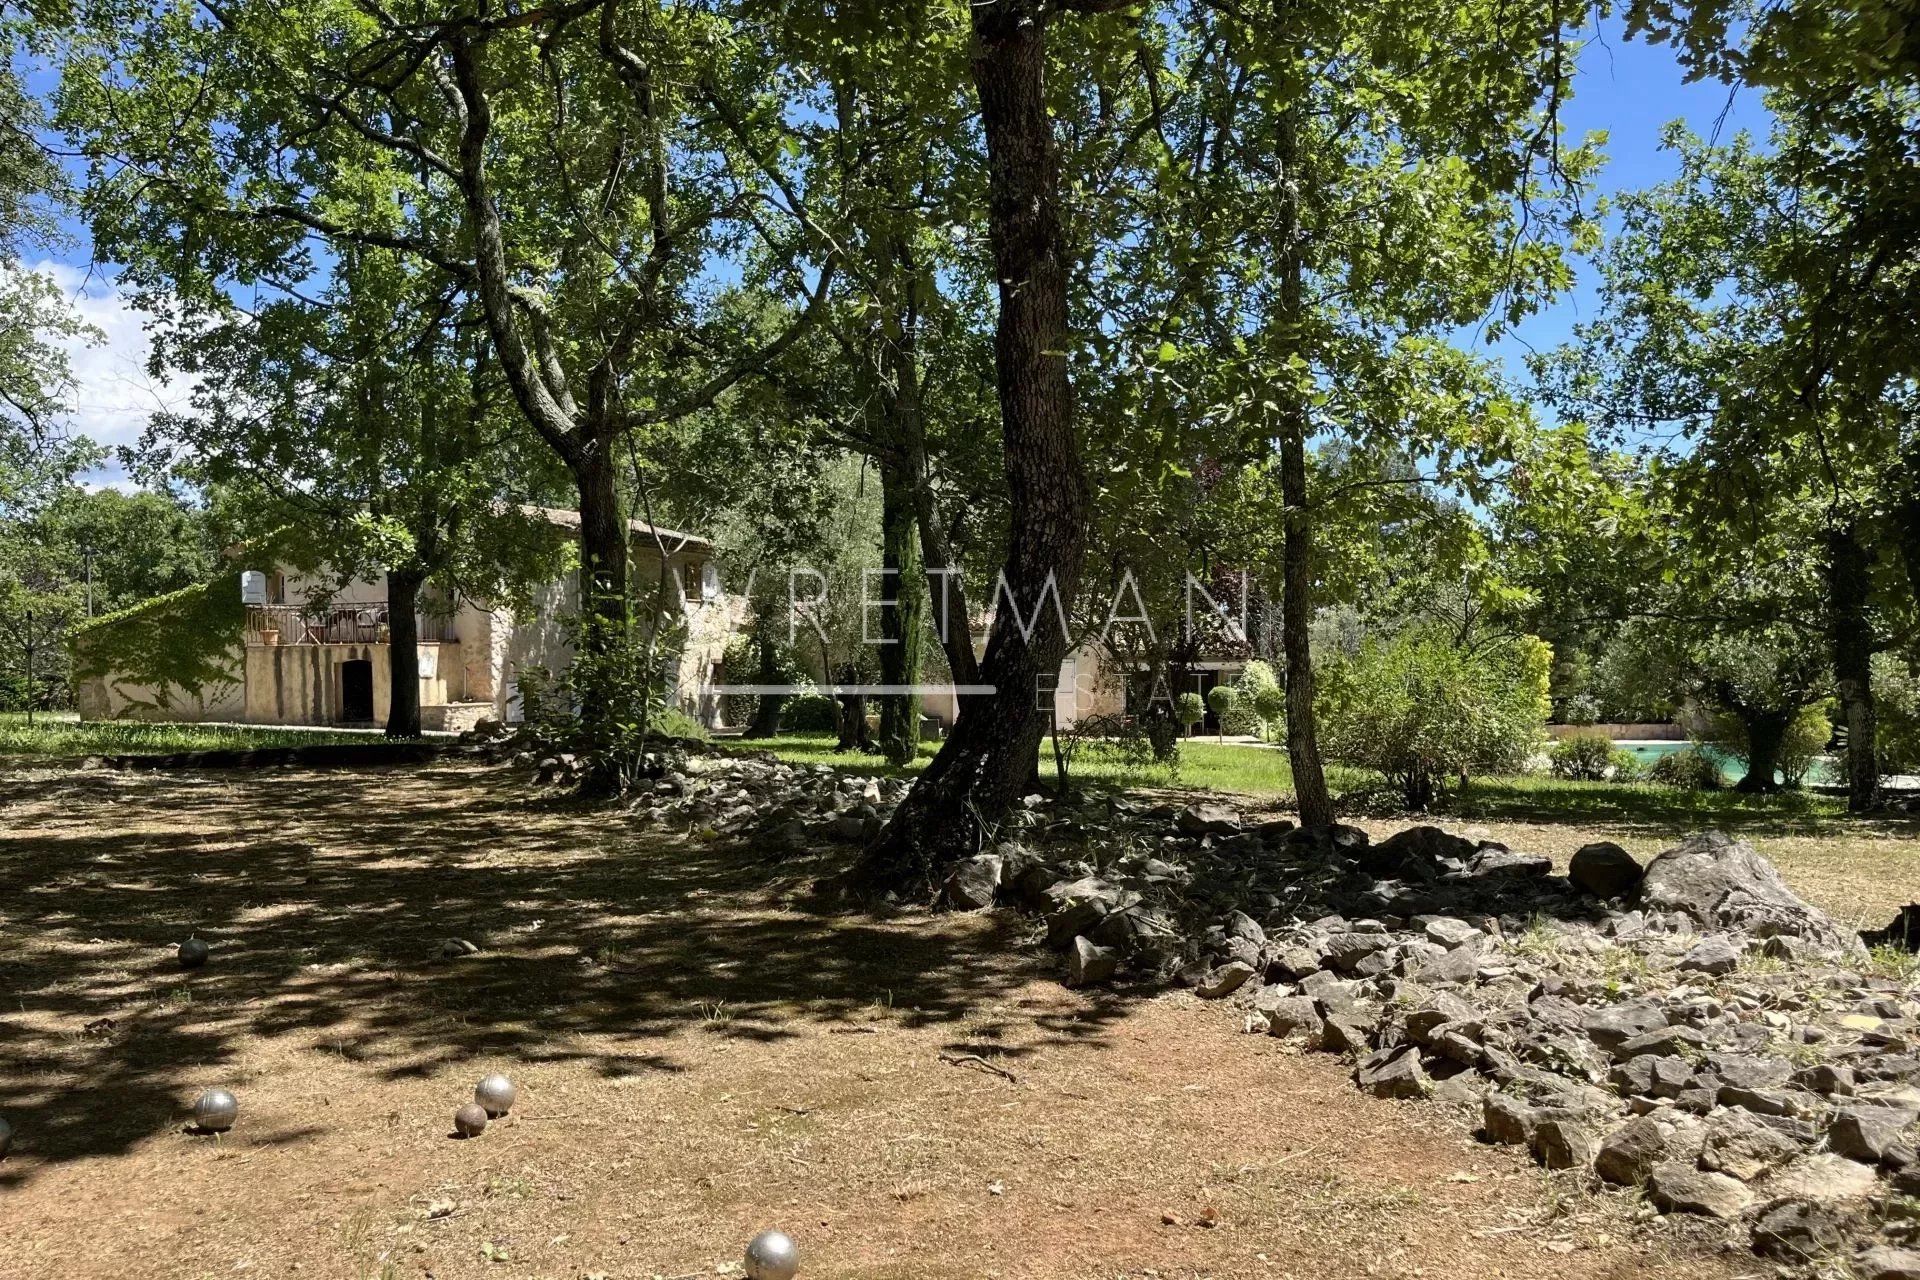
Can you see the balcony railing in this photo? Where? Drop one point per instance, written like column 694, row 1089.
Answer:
column 365, row 622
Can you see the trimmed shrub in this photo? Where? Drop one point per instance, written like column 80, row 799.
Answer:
column 807, row 713
column 1582, row 757
column 1189, row 710
column 1688, row 769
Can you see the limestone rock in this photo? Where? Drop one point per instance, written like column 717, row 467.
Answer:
column 1506, row 1119
column 1798, row 1231
column 1604, row 870
column 1883, row 1262
column 1872, row 1135
column 1823, row 1178
column 1629, row 1153
column 1089, row 964
column 1711, row 956
column 1392, row 1073
column 1743, row 1146
column 1292, row 1015
column 1224, row 981
column 974, row 882
column 1721, row 883
column 1563, row 1142
column 1677, row 1187
column 1204, row 818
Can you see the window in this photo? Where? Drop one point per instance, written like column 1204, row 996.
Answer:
column 690, row 582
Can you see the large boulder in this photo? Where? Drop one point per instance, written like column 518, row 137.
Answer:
column 1721, row 883
column 1420, row 851
column 1205, row 818
column 1604, row 870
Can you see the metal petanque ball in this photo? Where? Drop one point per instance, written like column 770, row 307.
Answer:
column 6, row 1137
column 470, row 1120
column 772, row 1255
column 193, row 953
column 496, row 1093
column 216, row 1110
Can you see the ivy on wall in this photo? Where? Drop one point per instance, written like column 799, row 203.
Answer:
column 178, row 645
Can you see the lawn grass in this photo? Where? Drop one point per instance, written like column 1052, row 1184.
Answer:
column 1249, row 770
column 64, row 736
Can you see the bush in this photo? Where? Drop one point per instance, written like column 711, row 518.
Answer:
column 1583, row 708
column 1592, row 757
column 1422, row 710
column 1223, row 700
column 1189, row 710
column 1262, row 701
column 1582, row 757
column 1689, row 769
column 807, row 713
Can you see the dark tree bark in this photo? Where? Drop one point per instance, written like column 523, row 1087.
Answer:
column 403, row 652
column 1850, row 633
column 1296, row 583
column 854, row 735
column 1766, row 730
column 603, row 538
column 766, row 713
column 902, row 617
column 994, row 749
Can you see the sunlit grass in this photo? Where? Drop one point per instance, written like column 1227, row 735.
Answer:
column 62, row 736
column 1263, row 771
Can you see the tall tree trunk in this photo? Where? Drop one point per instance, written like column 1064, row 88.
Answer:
column 902, row 619
column 952, row 620
column 1849, row 569
column 1296, row 582
column 994, row 749
column 603, row 542
column 766, row 713
column 1766, row 730
column 854, row 735
column 403, row 652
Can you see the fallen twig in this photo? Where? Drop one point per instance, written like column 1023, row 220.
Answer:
column 974, row 1059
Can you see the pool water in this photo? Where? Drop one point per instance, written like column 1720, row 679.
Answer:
column 1646, row 751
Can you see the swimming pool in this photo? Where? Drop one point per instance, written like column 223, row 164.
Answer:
column 1647, row 750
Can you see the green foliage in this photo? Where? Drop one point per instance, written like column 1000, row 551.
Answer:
column 1896, row 691
column 608, row 707
column 181, row 645
column 1688, row 769
column 1582, row 757
column 1423, row 710
column 1189, row 710
column 807, row 713
column 1806, row 736
column 1224, row 700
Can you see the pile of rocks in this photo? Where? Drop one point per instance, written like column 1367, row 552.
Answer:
column 789, row 806
column 1691, row 1027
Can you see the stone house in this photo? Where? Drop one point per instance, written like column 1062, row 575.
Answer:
column 304, row 649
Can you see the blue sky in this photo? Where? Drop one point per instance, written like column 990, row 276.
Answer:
column 1629, row 89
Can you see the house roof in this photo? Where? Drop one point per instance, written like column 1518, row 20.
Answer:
column 675, row 541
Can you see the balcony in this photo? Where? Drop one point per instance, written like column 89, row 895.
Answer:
column 363, row 622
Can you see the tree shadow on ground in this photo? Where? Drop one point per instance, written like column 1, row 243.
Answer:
column 327, row 897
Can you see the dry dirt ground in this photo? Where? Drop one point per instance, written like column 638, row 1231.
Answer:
column 701, row 1053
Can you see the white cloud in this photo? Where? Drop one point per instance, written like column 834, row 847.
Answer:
column 113, row 395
